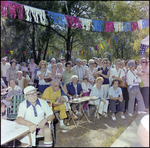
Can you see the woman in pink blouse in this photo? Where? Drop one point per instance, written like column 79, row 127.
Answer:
column 143, row 72
column 32, row 66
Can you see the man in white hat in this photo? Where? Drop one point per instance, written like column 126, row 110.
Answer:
column 80, row 70
column 4, row 67
column 31, row 113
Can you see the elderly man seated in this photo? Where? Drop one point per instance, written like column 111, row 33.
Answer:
column 32, row 114
column 22, row 81
column 14, row 89
column 98, row 91
column 53, row 94
column 75, row 90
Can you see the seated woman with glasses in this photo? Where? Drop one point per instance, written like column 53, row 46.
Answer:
column 41, row 74
column 64, row 92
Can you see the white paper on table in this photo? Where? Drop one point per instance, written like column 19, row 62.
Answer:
column 10, row 130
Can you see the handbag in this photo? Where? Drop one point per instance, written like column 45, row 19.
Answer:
column 141, row 83
column 122, row 84
column 47, row 79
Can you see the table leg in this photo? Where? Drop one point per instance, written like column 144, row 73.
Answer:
column 14, row 143
column 85, row 114
column 71, row 117
column 30, row 139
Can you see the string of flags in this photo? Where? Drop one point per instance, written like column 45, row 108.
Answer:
column 70, row 21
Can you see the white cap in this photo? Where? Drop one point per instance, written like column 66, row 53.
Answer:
column 29, row 88
column 78, row 60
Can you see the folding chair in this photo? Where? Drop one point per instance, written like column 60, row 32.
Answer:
column 94, row 105
column 12, row 111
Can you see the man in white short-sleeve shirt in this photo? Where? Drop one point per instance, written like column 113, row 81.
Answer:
column 32, row 114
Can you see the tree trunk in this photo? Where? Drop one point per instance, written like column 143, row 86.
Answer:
column 68, row 45
column 33, row 43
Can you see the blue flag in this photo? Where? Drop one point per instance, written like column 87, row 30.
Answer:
column 115, row 38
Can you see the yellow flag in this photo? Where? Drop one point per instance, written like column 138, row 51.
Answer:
column 11, row 51
column 82, row 52
column 47, row 52
column 105, row 44
column 101, row 46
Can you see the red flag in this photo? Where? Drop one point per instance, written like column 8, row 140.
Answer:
column 25, row 53
column 109, row 42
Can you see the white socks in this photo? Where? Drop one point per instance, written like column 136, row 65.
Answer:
column 61, row 122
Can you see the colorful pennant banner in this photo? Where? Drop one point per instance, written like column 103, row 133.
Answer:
column 70, row 21
column 11, row 51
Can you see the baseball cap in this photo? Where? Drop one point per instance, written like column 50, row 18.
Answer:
column 62, row 57
column 78, row 60
column 29, row 88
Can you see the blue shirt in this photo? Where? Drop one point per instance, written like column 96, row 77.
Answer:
column 106, row 80
column 62, row 92
column 35, row 73
column 71, row 89
column 114, row 93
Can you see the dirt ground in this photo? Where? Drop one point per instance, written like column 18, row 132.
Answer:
column 88, row 134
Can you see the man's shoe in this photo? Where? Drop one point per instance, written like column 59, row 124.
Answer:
column 64, row 127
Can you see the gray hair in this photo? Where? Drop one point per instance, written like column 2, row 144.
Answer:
column 91, row 60
column 58, row 74
column 117, row 60
column 19, row 72
column 74, row 76
column 54, row 80
column 59, row 63
column 53, row 59
column 131, row 63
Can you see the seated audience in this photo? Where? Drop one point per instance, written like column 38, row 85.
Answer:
column 60, row 68
column 53, row 94
column 115, row 96
column 32, row 114
column 12, row 71
column 43, row 73
column 24, row 66
column 14, row 90
column 75, row 90
column 22, row 81
column 86, row 86
column 64, row 94
column 102, row 103
column 68, row 73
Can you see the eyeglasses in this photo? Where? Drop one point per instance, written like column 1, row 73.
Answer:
column 144, row 62
column 105, row 63
column 92, row 63
column 56, row 86
column 31, row 94
column 43, row 64
column 62, row 59
column 58, row 77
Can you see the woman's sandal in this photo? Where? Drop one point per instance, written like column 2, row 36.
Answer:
column 105, row 115
column 75, row 117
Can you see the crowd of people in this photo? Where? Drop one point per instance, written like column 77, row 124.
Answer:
column 124, row 83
